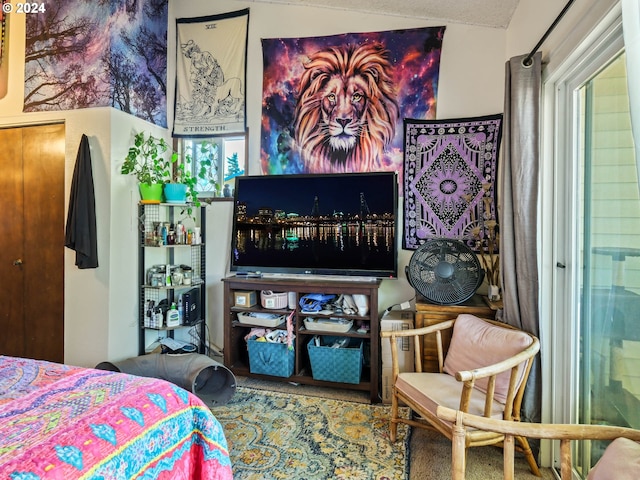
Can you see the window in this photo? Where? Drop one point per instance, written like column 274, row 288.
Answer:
column 216, row 163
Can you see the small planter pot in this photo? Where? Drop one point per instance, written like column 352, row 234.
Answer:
column 175, row 192
column 151, row 192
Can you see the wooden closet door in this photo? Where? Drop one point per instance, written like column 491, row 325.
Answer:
column 12, row 252
column 35, row 233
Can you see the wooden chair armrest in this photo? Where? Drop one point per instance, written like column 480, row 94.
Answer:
column 564, row 433
column 416, row 334
column 553, row 431
column 521, row 362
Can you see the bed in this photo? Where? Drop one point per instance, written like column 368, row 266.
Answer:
column 65, row 422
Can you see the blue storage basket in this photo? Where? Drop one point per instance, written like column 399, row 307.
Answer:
column 269, row 358
column 342, row 365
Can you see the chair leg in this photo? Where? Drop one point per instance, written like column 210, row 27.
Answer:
column 508, row 454
column 458, row 452
column 393, row 423
column 526, row 449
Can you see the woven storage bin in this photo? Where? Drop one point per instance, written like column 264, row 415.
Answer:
column 271, row 299
column 268, row 358
column 336, row 364
column 269, row 320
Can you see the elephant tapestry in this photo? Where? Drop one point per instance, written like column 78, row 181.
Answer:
column 211, row 75
column 111, row 53
column 335, row 104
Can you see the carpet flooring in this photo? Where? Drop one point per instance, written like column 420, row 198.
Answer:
column 429, row 452
column 276, row 435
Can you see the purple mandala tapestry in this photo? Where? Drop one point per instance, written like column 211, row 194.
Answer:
column 450, row 171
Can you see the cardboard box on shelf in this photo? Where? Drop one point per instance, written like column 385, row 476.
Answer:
column 396, row 320
column 245, row 298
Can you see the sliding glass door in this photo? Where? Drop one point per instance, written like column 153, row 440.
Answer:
column 595, row 303
column 609, row 242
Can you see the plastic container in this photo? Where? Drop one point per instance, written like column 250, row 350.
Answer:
column 338, row 325
column 173, row 316
column 187, row 275
column 261, row 319
column 274, row 300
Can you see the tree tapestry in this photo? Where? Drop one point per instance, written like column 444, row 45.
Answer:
column 336, row 103
column 107, row 53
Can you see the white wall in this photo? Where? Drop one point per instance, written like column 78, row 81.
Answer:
column 533, row 17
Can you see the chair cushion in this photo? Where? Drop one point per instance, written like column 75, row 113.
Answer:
column 433, row 389
column 620, row 461
column 476, row 343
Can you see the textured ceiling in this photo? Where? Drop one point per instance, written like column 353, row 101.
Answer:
column 488, row 13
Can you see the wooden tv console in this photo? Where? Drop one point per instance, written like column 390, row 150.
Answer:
column 236, row 356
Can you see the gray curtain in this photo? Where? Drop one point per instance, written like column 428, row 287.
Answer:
column 518, row 207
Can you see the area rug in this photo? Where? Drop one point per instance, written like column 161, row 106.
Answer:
column 275, row 435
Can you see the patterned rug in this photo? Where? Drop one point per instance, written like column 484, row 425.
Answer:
column 275, row 435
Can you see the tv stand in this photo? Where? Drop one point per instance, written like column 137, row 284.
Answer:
column 236, row 356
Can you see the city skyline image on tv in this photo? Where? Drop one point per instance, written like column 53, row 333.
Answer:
column 342, row 224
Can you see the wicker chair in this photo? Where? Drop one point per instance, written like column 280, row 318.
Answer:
column 484, row 372
column 620, row 461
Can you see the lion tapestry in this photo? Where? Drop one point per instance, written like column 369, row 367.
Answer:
column 335, row 104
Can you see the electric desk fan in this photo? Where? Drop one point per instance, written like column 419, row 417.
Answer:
column 444, row 271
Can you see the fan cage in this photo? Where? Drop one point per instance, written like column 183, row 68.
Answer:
column 445, row 272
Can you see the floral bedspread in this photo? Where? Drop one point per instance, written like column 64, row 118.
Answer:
column 64, row 422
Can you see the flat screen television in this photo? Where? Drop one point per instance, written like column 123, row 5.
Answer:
column 322, row 224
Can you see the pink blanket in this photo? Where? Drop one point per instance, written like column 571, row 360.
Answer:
column 64, row 422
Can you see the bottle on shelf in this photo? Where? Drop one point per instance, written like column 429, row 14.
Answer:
column 165, row 233
column 173, row 316
column 158, row 318
column 180, row 234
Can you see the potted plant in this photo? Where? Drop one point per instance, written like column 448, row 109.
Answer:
column 147, row 162
column 177, row 189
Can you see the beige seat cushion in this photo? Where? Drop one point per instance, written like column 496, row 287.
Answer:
column 476, row 343
column 433, row 389
column 620, row 461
